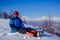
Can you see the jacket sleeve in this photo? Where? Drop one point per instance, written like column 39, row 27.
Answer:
column 11, row 23
column 22, row 25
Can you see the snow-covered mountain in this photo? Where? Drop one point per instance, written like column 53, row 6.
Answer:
column 4, row 28
column 41, row 18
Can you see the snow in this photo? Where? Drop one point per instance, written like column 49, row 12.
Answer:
column 6, row 35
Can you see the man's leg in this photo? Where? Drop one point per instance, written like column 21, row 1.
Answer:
column 31, row 32
column 22, row 30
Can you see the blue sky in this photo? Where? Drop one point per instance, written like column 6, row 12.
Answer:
column 32, row 8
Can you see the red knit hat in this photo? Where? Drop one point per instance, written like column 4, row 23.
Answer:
column 15, row 13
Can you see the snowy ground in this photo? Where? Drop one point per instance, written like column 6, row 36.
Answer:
column 4, row 28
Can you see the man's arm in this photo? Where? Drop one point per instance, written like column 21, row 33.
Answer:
column 11, row 23
column 22, row 25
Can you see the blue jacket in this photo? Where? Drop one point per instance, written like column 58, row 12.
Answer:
column 16, row 22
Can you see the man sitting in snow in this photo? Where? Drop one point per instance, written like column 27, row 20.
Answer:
column 16, row 25
column 15, row 22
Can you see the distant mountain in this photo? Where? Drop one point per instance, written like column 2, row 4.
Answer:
column 43, row 18
column 54, row 20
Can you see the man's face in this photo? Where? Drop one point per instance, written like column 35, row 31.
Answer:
column 15, row 15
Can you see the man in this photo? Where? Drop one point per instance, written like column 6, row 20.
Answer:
column 15, row 22
column 16, row 25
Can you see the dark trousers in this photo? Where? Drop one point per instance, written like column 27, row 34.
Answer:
column 23, row 31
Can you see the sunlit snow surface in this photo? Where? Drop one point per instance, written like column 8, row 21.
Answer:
column 5, row 30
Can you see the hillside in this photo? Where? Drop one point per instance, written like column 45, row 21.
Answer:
column 4, row 28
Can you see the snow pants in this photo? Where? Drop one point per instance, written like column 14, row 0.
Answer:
column 27, row 31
